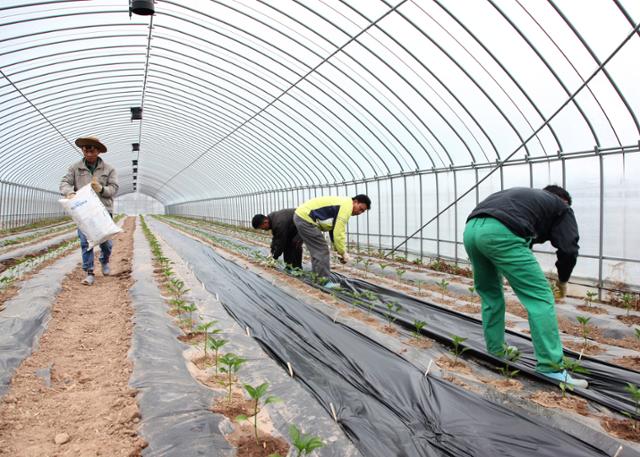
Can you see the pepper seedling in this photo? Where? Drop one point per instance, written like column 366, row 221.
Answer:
column 584, row 327
column 391, row 307
column 204, row 329
column 511, row 354
column 571, row 366
column 304, row 444
column 258, row 394
column 189, row 309
column 366, row 263
column 589, row 298
column 458, row 350
column 419, row 325
column 215, row 345
column 444, row 286
column 231, row 364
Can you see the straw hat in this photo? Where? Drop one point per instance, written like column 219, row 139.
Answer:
column 83, row 141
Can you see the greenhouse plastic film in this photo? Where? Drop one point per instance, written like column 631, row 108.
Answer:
column 175, row 409
column 606, row 381
column 26, row 317
column 384, row 403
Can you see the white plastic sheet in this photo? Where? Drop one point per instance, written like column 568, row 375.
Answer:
column 91, row 216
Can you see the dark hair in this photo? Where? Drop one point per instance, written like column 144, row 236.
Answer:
column 560, row 192
column 257, row 220
column 362, row 198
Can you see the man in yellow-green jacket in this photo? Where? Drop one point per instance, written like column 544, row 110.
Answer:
column 327, row 214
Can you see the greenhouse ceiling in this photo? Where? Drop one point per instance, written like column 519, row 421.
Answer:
column 248, row 96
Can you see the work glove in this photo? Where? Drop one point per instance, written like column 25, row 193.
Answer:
column 562, row 289
column 96, row 186
column 344, row 258
column 70, row 195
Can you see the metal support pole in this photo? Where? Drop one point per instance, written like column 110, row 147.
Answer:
column 437, row 212
column 455, row 216
column 421, row 215
column 601, row 232
column 406, row 219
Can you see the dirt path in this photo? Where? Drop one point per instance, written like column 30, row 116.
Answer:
column 87, row 402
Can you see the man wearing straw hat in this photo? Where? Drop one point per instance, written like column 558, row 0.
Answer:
column 104, row 181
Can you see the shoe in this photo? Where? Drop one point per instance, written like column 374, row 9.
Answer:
column 106, row 270
column 89, row 280
column 563, row 376
column 332, row 285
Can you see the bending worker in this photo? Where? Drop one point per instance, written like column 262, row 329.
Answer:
column 498, row 238
column 327, row 214
column 285, row 238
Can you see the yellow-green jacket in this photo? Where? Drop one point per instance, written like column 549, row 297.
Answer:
column 329, row 214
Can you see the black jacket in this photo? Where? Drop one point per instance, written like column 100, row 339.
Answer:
column 283, row 230
column 538, row 216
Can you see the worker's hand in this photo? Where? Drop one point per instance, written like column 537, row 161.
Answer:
column 96, row 186
column 562, row 289
column 344, row 258
column 70, row 195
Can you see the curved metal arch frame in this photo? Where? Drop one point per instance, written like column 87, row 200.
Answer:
column 286, row 91
column 289, row 155
column 302, row 78
column 256, row 156
column 611, row 81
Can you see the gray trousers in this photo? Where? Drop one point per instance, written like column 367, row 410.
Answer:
column 317, row 246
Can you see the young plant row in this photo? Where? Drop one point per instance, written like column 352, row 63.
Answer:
column 34, row 225
column 228, row 364
column 370, row 301
column 35, row 236
column 369, row 256
column 29, row 264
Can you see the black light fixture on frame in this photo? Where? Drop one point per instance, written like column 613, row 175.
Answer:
column 136, row 113
column 141, row 7
column 135, row 147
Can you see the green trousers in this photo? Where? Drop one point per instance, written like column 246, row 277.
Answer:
column 495, row 252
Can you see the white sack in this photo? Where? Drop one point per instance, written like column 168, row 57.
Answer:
column 92, row 217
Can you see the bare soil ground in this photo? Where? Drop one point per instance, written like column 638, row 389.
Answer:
column 623, row 428
column 86, row 408
column 556, row 400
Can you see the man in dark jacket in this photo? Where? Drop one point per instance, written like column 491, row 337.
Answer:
column 285, row 235
column 498, row 238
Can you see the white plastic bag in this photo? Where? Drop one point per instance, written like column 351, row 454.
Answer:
column 92, row 217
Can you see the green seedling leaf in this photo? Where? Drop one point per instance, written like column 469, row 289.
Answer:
column 584, row 327
column 215, row 345
column 258, row 394
column 419, row 325
column 458, row 350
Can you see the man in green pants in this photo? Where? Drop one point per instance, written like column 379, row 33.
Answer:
column 498, row 238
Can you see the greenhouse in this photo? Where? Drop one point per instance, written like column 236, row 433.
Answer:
column 360, row 228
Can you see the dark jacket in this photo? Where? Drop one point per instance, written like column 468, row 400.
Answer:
column 538, row 216
column 283, row 230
